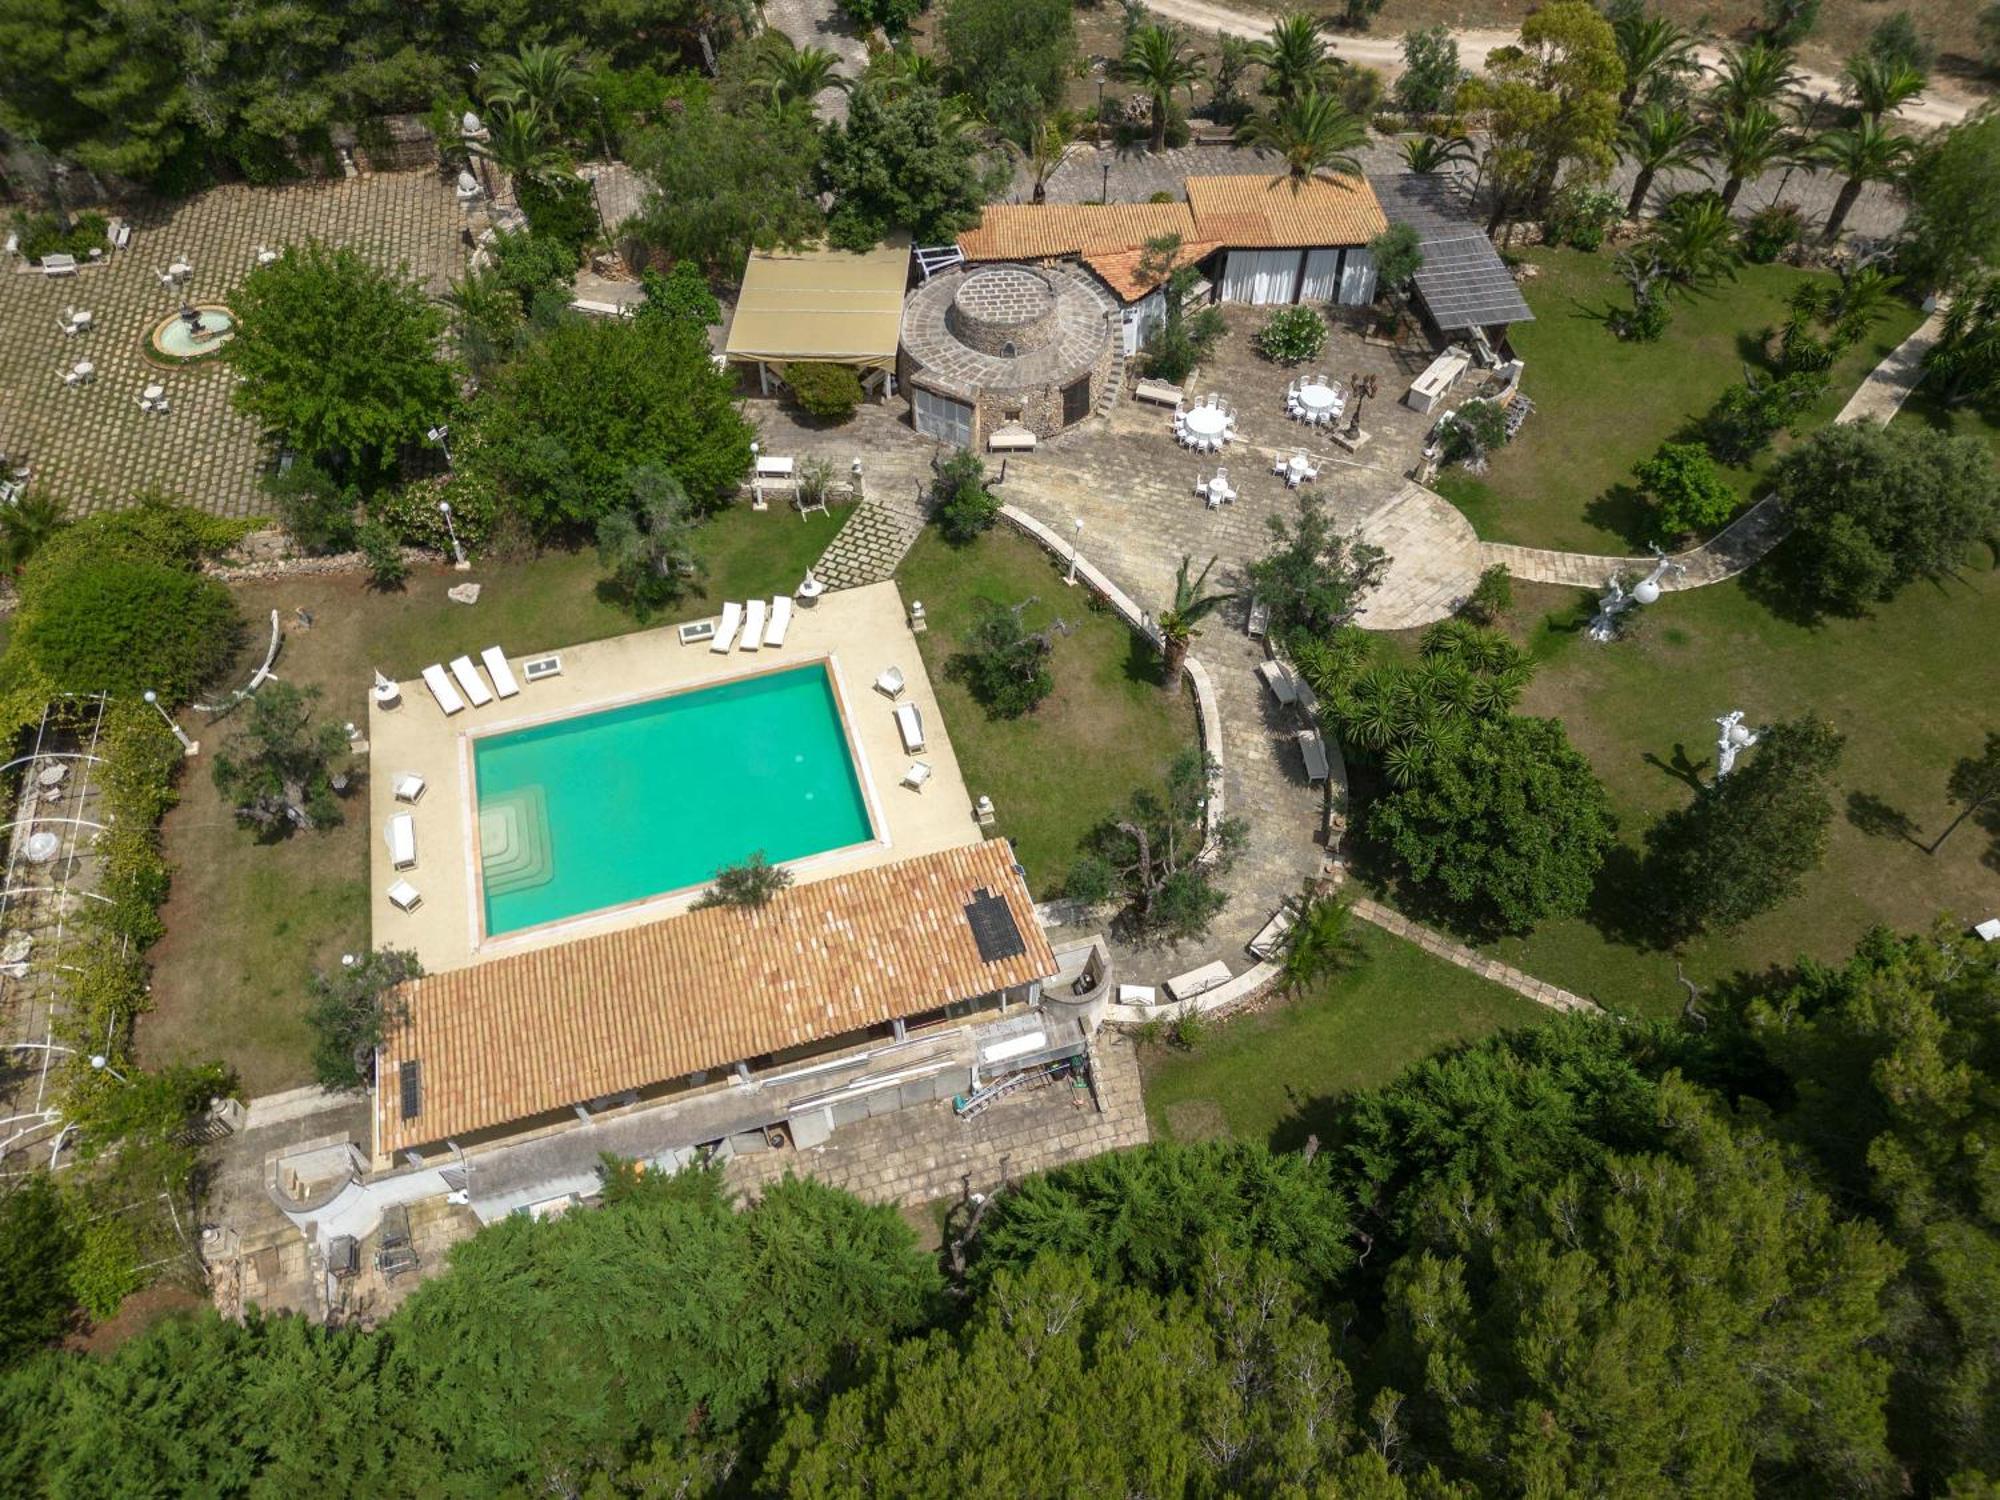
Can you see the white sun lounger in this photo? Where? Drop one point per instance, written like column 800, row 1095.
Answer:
column 910, row 724
column 442, row 690
column 781, row 620
column 753, row 624
column 890, row 683
column 725, row 632
column 502, row 674
column 471, row 682
column 404, row 896
column 410, row 787
column 916, row 776
column 402, row 835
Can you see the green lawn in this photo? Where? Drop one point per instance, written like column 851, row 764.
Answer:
column 1602, row 404
column 1910, row 689
column 1107, row 729
column 246, row 922
column 1273, row 1074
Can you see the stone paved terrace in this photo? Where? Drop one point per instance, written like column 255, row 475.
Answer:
column 920, row 1154
column 91, row 445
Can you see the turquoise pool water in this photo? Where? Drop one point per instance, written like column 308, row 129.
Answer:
column 612, row 807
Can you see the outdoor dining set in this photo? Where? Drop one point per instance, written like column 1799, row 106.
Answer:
column 1210, row 424
column 1314, row 400
column 1206, row 426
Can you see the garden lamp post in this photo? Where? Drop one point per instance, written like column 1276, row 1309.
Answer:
column 438, row 435
column 1363, row 387
column 103, row 1065
column 188, row 746
column 1076, row 536
column 458, row 559
column 1104, row 193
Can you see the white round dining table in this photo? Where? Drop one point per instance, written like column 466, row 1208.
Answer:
column 1206, row 421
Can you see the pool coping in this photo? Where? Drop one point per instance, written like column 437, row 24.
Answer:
column 488, row 945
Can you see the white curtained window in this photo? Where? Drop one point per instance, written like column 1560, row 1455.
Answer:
column 1357, row 278
column 1260, row 277
column 1322, row 281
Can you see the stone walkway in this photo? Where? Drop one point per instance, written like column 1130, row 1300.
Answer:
column 924, row 1153
column 1437, row 945
column 870, row 547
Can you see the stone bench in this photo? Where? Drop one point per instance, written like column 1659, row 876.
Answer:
column 1158, row 392
column 1011, row 440
column 1198, row 981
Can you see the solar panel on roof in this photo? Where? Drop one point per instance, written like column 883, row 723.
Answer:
column 993, row 929
column 410, row 1081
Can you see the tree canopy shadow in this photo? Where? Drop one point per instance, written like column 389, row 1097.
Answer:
column 1622, row 510
column 1878, row 819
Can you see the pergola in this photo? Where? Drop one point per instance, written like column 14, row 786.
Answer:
column 821, row 307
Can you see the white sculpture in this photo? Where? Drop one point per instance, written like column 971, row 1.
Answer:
column 1733, row 739
column 1604, row 624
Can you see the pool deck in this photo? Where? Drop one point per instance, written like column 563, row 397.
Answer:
column 860, row 632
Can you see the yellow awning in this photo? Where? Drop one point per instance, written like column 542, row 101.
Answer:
column 822, row 306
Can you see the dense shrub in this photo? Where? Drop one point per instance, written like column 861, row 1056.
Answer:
column 961, row 504
column 1746, row 417
column 824, row 392
column 892, row 16
column 316, row 509
column 560, row 208
column 1471, row 432
column 1005, row 665
column 1580, row 216
column 412, row 513
column 383, row 554
column 532, row 265
column 1687, row 490
column 121, row 625
column 1771, row 231
column 1292, row 335
column 40, row 235
column 681, row 295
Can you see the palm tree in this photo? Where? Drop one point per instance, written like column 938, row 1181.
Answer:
column 1048, row 144
column 1655, row 52
column 1371, row 714
column 902, row 68
column 540, row 79
column 1158, row 60
column 1861, row 302
column 1967, row 354
column 1748, row 140
column 1313, row 133
column 25, row 525
column 1756, row 74
column 794, row 73
column 1658, row 140
column 1294, row 57
column 1879, row 86
column 1864, row 154
column 1319, row 945
column 1435, row 153
column 1178, row 623
column 1695, row 241
column 521, row 143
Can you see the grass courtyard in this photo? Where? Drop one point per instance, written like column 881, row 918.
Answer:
column 247, row 923
column 1107, row 729
column 1275, row 1073
column 1905, row 686
column 1602, row 404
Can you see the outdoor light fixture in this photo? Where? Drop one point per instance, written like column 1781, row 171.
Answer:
column 188, row 746
column 457, row 551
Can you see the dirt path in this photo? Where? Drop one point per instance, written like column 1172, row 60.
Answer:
column 1943, row 103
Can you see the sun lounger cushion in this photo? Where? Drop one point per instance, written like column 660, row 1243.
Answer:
column 442, row 690
column 402, row 836
column 474, row 686
column 410, row 787
column 753, row 624
column 725, row 632
column 890, row 683
column 910, row 724
column 781, row 620
column 497, row 668
column 917, row 775
column 405, row 896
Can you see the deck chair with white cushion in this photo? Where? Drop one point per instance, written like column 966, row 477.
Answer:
column 502, row 674
column 916, row 776
column 404, row 896
column 753, row 624
column 442, row 690
column 781, row 620
column 470, row 682
column 910, row 724
column 726, row 627
column 401, row 832
column 890, row 683
column 410, row 787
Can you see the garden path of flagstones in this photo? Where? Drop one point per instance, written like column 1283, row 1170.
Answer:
column 91, row 445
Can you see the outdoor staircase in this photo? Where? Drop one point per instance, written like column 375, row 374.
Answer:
column 968, row 1106
column 1114, row 384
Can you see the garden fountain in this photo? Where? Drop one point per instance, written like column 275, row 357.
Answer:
column 194, row 332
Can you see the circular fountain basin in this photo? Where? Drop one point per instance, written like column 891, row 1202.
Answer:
column 173, row 339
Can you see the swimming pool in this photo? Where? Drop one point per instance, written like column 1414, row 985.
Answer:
column 607, row 808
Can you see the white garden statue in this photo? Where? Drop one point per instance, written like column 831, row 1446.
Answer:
column 1732, row 741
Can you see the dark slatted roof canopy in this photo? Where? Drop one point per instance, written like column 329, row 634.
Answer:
column 1463, row 282
column 993, row 927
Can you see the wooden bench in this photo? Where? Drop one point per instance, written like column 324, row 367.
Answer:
column 1198, row 981
column 58, row 265
column 1279, row 680
column 1158, row 392
column 1313, row 749
column 1011, row 440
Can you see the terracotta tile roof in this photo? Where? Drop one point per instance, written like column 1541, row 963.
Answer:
column 1275, row 215
column 1118, row 269
column 1035, row 231
column 517, row 1037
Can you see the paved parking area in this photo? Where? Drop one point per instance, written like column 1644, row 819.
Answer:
column 91, row 445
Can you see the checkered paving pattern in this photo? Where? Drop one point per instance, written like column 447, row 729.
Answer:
column 91, row 444
column 869, row 546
